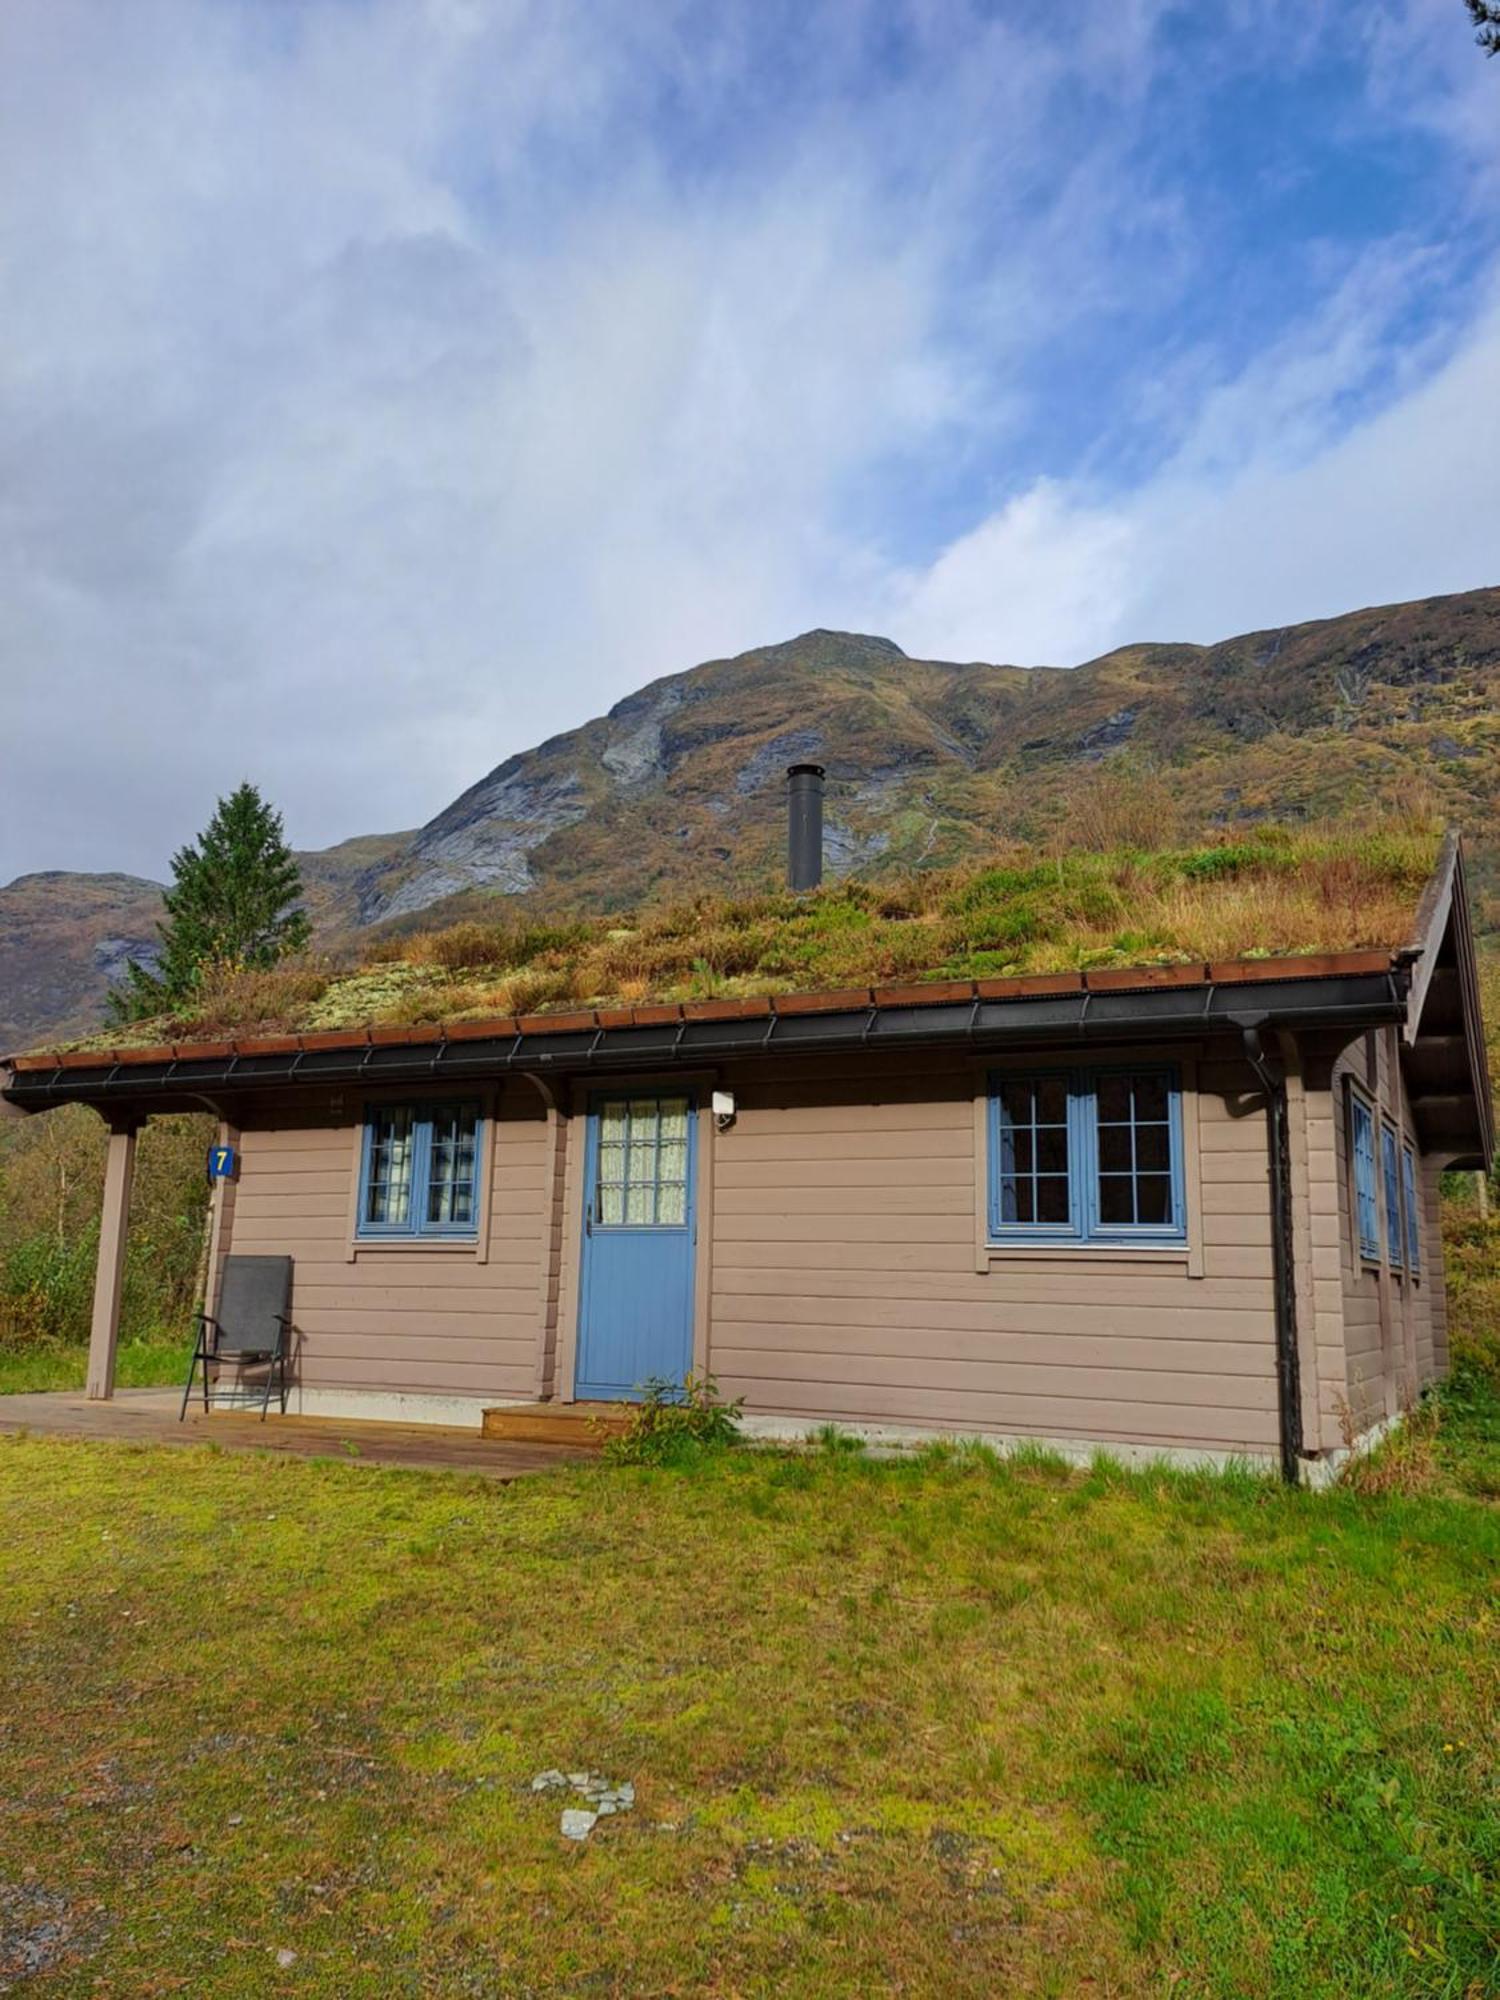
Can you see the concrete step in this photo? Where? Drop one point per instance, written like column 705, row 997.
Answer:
column 582, row 1425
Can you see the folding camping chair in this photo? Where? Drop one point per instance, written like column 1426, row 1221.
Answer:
column 252, row 1328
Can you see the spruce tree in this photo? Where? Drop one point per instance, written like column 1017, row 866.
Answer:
column 1485, row 14
column 233, row 902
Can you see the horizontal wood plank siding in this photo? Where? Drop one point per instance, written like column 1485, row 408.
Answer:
column 844, row 1272
column 845, row 1283
column 1391, row 1347
column 402, row 1318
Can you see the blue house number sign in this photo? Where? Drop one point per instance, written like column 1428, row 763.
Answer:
column 222, row 1162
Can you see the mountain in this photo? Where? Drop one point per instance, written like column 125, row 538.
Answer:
column 679, row 788
column 65, row 938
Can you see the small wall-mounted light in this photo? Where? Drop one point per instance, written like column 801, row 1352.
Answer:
column 723, row 1108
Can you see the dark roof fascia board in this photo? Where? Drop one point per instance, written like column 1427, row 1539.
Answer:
column 1444, row 913
column 1354, row 1001
column 1433, row 913
column 1462, row 924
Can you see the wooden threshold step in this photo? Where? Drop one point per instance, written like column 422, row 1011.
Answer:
column 584, row 1425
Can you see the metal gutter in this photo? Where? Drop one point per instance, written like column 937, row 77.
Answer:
column 1351, row 1001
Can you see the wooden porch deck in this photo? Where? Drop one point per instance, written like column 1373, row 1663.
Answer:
column 149, row 1416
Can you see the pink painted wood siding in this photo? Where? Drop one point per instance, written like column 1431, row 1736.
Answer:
column 844, row 1280
column 844, row 1274
column 408, row 1319
column 1394, row 1341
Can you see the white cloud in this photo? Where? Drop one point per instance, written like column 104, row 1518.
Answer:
column 384, row 387
column 1220, row 541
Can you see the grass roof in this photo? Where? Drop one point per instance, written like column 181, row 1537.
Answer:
column 1275, row 893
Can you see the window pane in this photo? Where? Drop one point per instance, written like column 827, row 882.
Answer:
column 1052, row 1102
column 1016, row 1102
column 1153, row 1198
column 1114, row 1149
column 450, row 1166
column 1134, row 1141
column 643, row 1157
column 1114, row 1099
column 638, row 1203
column 1390, row 1164
column 1130, row 1138
column 671, row 1204
column 1052, row 1198
column 1413, row 1219
column 1362, row 1131
column 1150, row 1094
column 1153, row 1153
column 388, row 1195
column 1033, row 1152
column 1116, row 1198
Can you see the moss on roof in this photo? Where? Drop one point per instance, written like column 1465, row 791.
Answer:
column 1275, row 893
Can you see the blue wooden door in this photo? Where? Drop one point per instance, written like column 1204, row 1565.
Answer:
column 636, row 1310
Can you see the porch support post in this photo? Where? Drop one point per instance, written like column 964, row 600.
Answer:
column 109, row 1276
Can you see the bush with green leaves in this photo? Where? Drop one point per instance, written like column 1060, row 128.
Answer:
column 674, row 1421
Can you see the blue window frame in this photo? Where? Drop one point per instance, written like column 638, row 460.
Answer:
column 420, row 1171
column 1390, row 1170
column 1087, row 1156
column 1413, row 1214
column 1362, row 1145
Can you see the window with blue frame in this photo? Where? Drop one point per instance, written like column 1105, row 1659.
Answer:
column 1087, row 1156
column 1390, row 1169
column 1413, row 1217
column 1362, row 1145
column 419, row 1174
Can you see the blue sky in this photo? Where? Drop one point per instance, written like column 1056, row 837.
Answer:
column 388, row 384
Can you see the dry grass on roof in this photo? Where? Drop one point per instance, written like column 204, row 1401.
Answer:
column 1265, row 894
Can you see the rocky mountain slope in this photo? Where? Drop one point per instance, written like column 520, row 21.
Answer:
column 679, row 788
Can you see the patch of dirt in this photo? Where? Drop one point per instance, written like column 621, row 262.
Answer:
column 41, row 1930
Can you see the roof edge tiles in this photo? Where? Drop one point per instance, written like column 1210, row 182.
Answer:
column 1112, row 980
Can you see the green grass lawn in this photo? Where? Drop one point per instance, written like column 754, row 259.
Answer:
column 139, row 1364
column 940, row 1728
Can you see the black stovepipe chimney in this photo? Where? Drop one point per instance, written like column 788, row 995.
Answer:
column 804, row 847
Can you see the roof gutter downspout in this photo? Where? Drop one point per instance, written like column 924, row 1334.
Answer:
column 1272, row 1080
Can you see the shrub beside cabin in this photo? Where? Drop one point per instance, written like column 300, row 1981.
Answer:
column 1186, row 1208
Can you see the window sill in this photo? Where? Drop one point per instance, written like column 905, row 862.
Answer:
column 414, row 1246
column 1052, row 1253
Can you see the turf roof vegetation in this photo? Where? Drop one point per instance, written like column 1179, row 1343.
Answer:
column 1277, row 892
